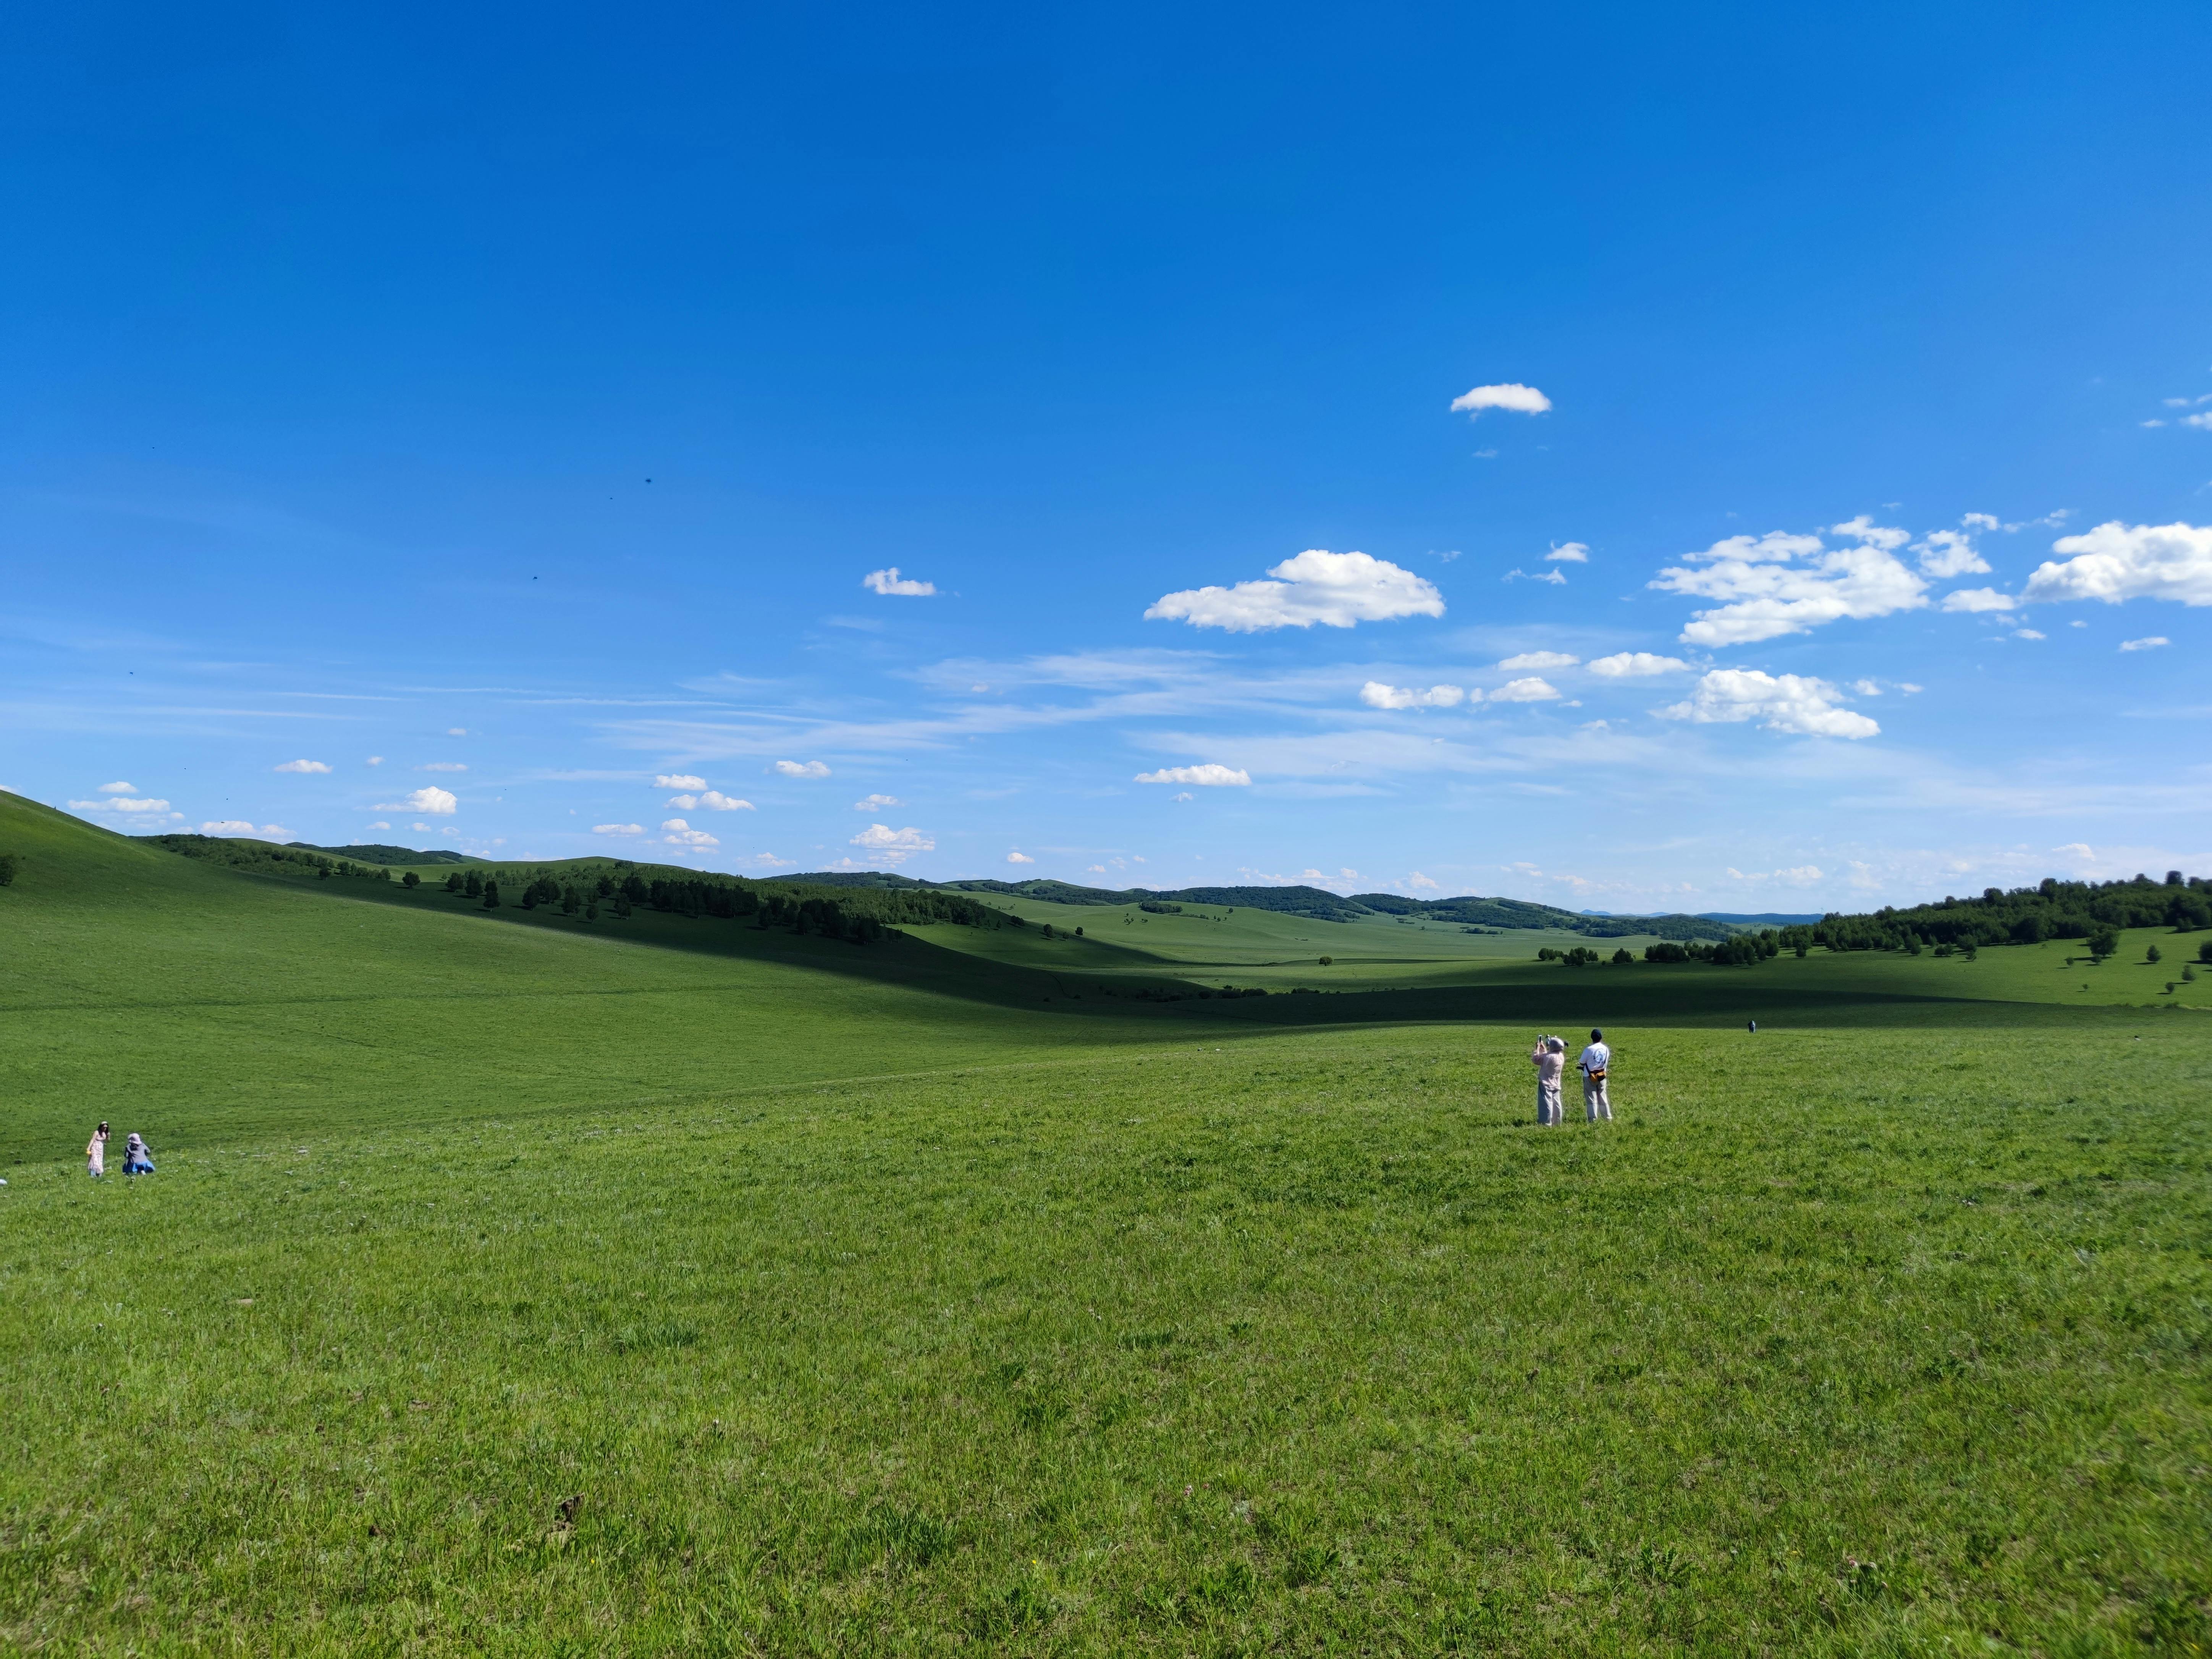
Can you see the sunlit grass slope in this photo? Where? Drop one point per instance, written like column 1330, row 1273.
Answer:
column 137, row 985
column 1838, row 1342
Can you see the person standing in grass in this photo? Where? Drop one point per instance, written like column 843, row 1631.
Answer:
column 95, row 1153
column 137, row 1157
column 1549, row 1057
column 1595, row 1058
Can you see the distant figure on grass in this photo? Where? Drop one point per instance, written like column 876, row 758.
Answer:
column 1754, row 1028
column 137, row 1157
column 1595, row 1060
column 95, row 1153
column 1549, row 1057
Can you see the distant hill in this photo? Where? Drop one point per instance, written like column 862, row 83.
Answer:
column 377, row 853
column 1313, row 902
column 1763, row 918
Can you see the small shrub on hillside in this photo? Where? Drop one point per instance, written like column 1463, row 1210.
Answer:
column 8, row 865
column 2151, row 955
column 411, row 881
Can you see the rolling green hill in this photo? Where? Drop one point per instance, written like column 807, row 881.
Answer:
column 519, row 1284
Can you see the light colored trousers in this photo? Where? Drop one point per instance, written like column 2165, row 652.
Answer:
column 1549, row 1113
column 1595, row 1104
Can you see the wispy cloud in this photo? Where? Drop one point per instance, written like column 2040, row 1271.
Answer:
column 1375, row 695
column 1209, row 774
column 301, row 765
column 889, row 581
column 1637, row 665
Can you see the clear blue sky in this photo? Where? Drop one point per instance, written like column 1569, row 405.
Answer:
column 523, row 398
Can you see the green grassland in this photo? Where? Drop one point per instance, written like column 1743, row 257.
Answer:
column 517, row 1284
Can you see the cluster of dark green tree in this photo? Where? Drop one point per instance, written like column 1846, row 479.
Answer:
column 2091, row 911
column 271, row 860
column 1737, row 951
column 861, row 916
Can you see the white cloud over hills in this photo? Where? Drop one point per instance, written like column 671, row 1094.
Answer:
column 433, row 800
column 894, row 846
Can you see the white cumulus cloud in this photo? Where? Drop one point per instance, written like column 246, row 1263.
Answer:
column 300, row 766
column 894, row 846
column 2116, row 562
column 2029, row 634
column 1375, row 695
column 1531, row 690
column 1569, row 553
column 678, row 781
column 1947, row 553
column 890, row 581
column 1209, row 772
column 617, row 829
column 1781, row 702
column 1508, row 395
column 1979, row 598
column 1557, row 578
column 1019, row 858
column 2152, row 643
column 119, row 804
column 1334, row 589
column 802, row 769
column 714, row 800
column 118, row 788
column 1538, row 659
column 437, row 802
column 374, row 760
column 379, row 825
column 1780, row 583
column 278, row 832
column 676, row 833
column 876, row 803
column 1637, row 665
column 226, row 827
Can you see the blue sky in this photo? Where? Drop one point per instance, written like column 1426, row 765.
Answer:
column 444, row 431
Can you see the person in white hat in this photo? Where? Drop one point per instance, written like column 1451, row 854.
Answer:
column 1549, row 1057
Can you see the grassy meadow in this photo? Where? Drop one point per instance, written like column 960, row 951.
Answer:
column 511, row 1286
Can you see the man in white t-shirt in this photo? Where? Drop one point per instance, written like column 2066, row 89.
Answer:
column 1592, row 1065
